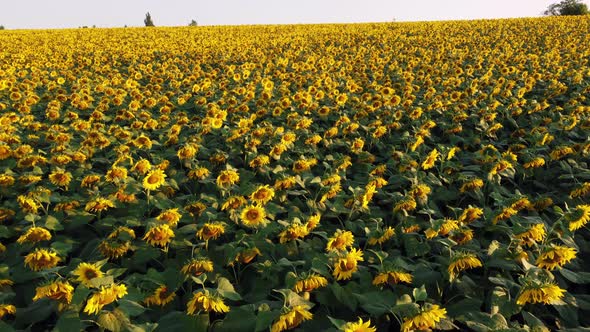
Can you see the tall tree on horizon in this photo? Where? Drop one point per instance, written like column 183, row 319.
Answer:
column 148, row 20
column 567, row 7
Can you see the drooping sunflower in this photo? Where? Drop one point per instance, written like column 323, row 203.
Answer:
column 579, row 217
column 42, row 259
column 381, row 236
column 227, row 178
column 204, row 301
column 291, row 318
column 211, row 231
column 60, row 291
column 85, row 272
column 99, row 204
column 105, row 296
column 160, row 297
column 430, row 159
column 309, row 282
column 197, row 266
column 160, row 235
column 262, row 195
column 340, row 240
column 470, row 214
column 533, row 235
column 34, row 235
column 170, row 216
column 154, row 179
column 347, row 264
column 392, row 277
column 358, row 326
column 7, row 309
column 253, row 216
column 539, row 292
column 295, row 230
column 427, row 319
column 555, row 256
column 462, row 261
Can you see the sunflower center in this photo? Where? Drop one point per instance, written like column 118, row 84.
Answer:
column 90, row 274
column 153, row 179
column 252, row 214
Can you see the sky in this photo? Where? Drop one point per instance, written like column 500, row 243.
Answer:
column 35, row 14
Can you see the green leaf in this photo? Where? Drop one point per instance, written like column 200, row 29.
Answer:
column 131, row 308
column 238, row 319
column 264, row 320
column 53, row 224
column 7, row 328
column 336, row 322
column 575, row 277
column 420, row 294
column 102, row 281
column 68, row 321
column 180, row 321
column 226, row 289
column 110, row 322
column 344, row 296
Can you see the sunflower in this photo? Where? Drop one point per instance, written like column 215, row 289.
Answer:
column 116, row 174
column 7, row 309
column 233, row 203
column 505, row 214
column 161, row 296
column 142, row 166
column 42, row 259
column 196, row 267
column 34, row 235
column 199, row 173
column 227, row 178
column 247, row 255
column 6, row 180
column 203, row 301
column 307, row 283
column 211, row 231
column 470, row 214
column 381, row 237
column 533, row 235
column 340, row 240
column 262, row 195
column 581, row 191
column 294, row 231
column 346, row 265
column 392, row 277
column 28, row 204
column 544, row 292
column 154, row 179
column 105, row 296
column 420, row 192
column 555, row 256
column 472, row 185
column 85, row 272
column 99, row 204
column 357, row 145
column 430, row 159
column 90, row 180
column 253, row 216
column 579, row 218
column 407, row 204
column 160, row 235
column 462, row 261
column 60, row 291
column 427, row 319
column 291, row 318
column 313, row 221
column 358, row 326
column 170, row 216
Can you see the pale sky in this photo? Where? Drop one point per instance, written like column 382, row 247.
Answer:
column 23, row 14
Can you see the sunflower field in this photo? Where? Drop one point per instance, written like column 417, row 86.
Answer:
column 361, row 177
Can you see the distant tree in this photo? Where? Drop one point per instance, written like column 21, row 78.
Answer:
column 148, row 20
column 567, row 7
column 1, row 27
column 193, row 23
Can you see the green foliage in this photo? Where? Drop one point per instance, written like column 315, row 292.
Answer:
column 148, row 20
column 567, row 7
column 193, row 23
